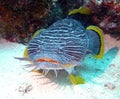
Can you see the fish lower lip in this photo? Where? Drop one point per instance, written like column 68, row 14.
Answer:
column 50, row 60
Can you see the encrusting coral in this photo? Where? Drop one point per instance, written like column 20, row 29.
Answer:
column 19, row 19
column 106, row 15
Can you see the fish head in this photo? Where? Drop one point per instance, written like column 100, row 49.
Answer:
column 51, row 56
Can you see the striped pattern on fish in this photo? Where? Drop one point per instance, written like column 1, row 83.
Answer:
column 65, row 39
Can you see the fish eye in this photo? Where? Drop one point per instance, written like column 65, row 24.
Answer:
column 59, row 50
column 38, row 49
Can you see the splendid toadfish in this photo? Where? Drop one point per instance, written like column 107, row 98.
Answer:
column 63, row 45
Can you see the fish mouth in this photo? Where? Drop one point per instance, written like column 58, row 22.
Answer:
column 50, row 60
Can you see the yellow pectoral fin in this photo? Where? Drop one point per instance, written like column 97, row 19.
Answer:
column 36, row 33
column 26, row 49
column 100, row 33
column 81, row 10
column 76, row 79
column 25, row 54
column 38, row 71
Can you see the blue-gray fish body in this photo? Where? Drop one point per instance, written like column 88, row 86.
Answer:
column 66, row 41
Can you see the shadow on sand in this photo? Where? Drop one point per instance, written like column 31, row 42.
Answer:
column 93, row 67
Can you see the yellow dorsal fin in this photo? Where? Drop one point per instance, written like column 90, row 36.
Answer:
column 100, row 33
column 76, row 79
column 82, row 10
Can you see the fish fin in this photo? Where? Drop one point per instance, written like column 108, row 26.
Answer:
column 81, row 10
column 25, row 54
column 37, row 71
column 36, row 33
column 22, row 58
column 100, row 33
column 76, row 79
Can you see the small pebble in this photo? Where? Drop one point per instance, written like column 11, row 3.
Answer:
column 109, row 86
column 25, row 88
column 112, row 65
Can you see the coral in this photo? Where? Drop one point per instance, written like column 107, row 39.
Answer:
column 106, row 15
column 19, row 19
column 22, row 18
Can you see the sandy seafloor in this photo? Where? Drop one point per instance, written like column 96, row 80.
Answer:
column 102, row 76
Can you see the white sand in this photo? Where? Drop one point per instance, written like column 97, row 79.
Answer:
column 17, row 83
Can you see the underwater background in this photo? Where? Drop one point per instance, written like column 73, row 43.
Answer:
column 19, row 19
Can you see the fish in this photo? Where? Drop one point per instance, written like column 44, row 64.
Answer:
column 63, row 45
